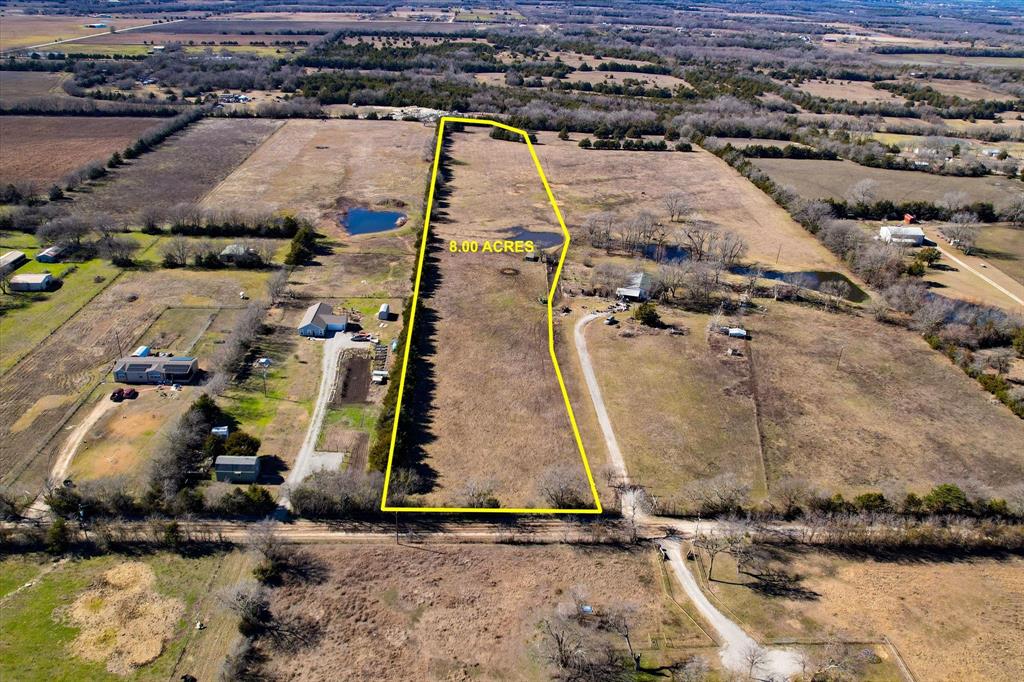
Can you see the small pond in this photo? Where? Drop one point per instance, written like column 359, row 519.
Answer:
column 811, row 279
column 542, row 240
column 365, row 221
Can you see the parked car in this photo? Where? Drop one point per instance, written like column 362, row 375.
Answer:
column 131, row 394
column 118, row 395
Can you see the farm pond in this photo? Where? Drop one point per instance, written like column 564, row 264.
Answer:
column 366, row 221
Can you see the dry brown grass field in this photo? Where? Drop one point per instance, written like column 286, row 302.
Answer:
column 19, row 30
column 824, row 179
column 854, row 91
column 950, row 620
column 625, row 183
column 965, row 89
column 889, row 413
column 649, row 80
column 182, row 170
column 681, row 409
column 67, row 364
column 458, row 612
column 316, row 168
column 491, row 413
column 42, row 149
column 18, row 86
column 1003, row 247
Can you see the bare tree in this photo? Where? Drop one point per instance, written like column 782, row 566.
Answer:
column 176, row 251
column 671, row 276
column 862, row 192
column 729, row 248
column 963, row 231
column 635, row 502
column 65, row 230
column 1014, row 212
column 678, row 206
column 618, row 621
column 954, row 200
column 835, row 290
column 755, row 657
column 249, row 601
column 698, row 238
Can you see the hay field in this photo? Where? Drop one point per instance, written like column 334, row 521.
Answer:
column 681, row 410
column 894, row 413
column 19, row 30
column 1003, row 247
column 313, row 167
column 950, row 620
column 965, row 89
column 853, row 91
column 587, row 182
column 18, row 86
column 42, row 149
column 65, row 366
column 823, row 179
column 457, row 612
column 489, row 394
column 183, row 170
column 649, row 80
column 108, row 618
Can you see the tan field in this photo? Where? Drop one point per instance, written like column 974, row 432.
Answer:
column 854, row 91
column 19, row 30
column 949, row 620
column 318, row 167
column 965, row 89
column 824, row 179
column 42, row 149
column 18, row 86
column 486, row 332
column 834, row 425
column 648, row 80
column 1003, row 247
column 587, row 182
column 455, row 612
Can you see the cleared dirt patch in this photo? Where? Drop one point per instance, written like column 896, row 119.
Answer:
column 353, row 379
column 468, row 612
column 123, row 620
column 42, row 149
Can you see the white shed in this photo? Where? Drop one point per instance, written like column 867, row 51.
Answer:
column 34, row 282
column 385, row 312
column 901, row 234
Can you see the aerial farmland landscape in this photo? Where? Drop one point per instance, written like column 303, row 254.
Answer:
column 514, row 341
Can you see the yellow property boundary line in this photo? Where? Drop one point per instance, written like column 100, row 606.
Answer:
column 551, row 336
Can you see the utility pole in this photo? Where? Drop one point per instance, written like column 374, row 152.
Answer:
column 117, row 339
column 840, row 358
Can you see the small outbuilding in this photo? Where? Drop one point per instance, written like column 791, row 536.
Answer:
column 237, row 469
column 901, row 234
column 34, row 282
column 385, row 312
column 320, row 319
column 639, row 288
column 737, row 332
column 50, row 255
column 220, row 431
column 156, row 370
column 379, row 376
column 11, row 260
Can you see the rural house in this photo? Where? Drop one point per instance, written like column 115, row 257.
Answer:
column 11, row 260
column 156, row 370
column 34, row 282
column 236, row 252
column 320, row 319
column 639, row 288
column 901, row 234
column 237, row 469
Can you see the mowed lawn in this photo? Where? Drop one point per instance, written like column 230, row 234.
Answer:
column 1003, row 246
column 84, row 618
column 42, row 149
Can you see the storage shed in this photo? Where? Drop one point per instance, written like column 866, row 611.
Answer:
column 237, row 469
column 385, row 312
column 11, row 260
column 901, row 234
column 34, row 282
column 50, row 255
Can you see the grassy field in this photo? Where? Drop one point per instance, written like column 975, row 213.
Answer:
column 182, row 170
column 48, row 380
column 42, row 149
column 872, row 418
column 316, row 168
column 825, row 179
column 586, row 182
column 487, row 336
column 949, row 620
column 472, row 611
column 111, row 618
column 648, row 80
column 673, row 400
column 19, row 30
column 1003, row 246
column 853, row 91
column 18, row 86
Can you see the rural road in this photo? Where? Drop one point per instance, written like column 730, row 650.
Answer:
column 91, row 35
column 308, row 459
column 736, row 645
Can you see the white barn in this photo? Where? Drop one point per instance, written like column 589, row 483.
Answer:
column 320, row 319
column 639, row 288
column 901, row 234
